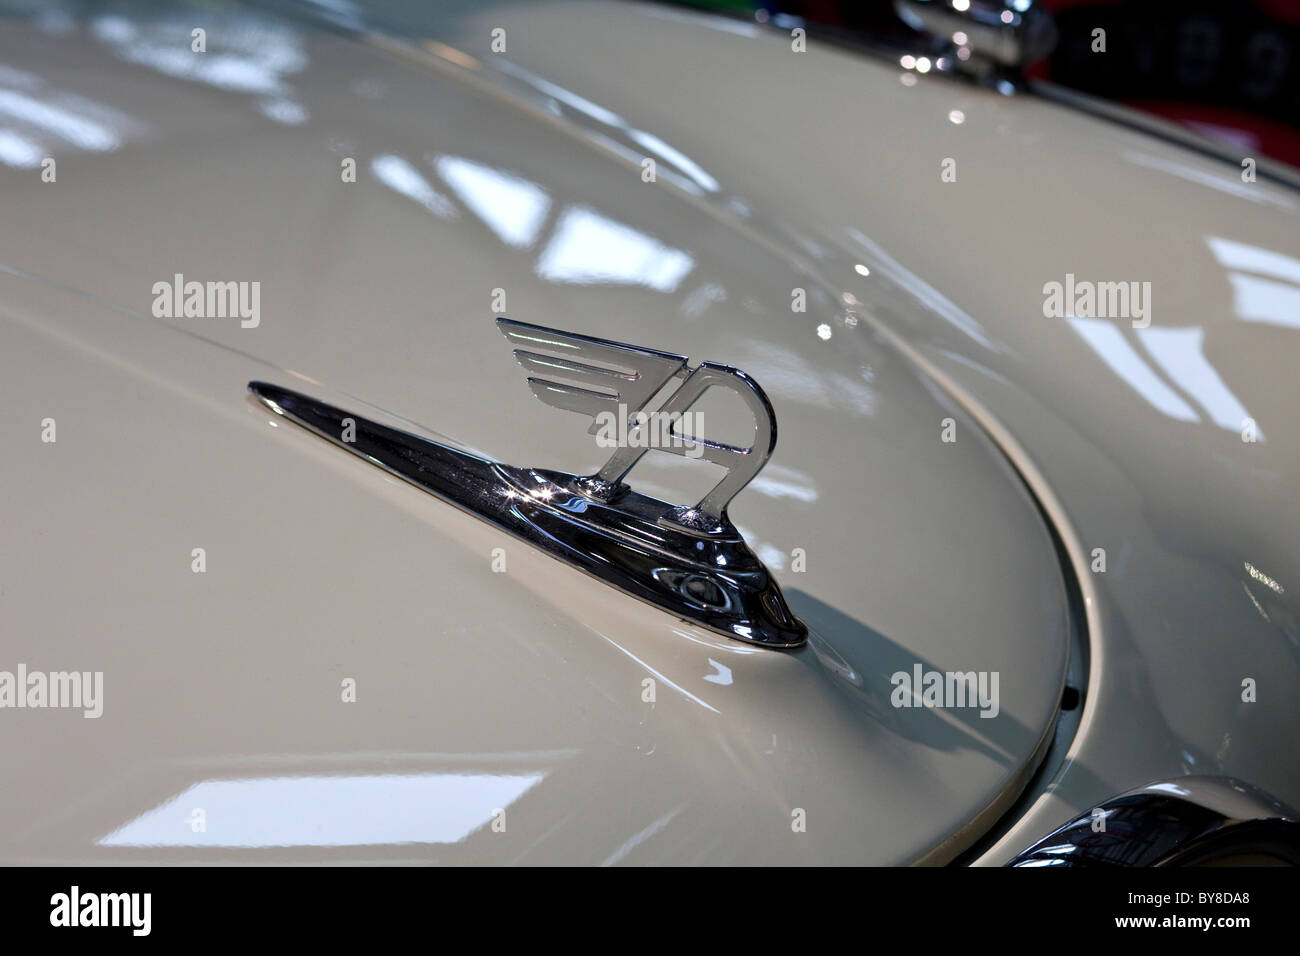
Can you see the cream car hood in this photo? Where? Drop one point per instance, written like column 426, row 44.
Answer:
column 498, row 716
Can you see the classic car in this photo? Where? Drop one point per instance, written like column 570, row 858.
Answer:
column 969, row 535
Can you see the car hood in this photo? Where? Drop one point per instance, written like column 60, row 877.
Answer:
column 1163, row 447
column 304, row 659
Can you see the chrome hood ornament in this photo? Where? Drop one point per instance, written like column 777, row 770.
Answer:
column 637, row 375
column 688, row 560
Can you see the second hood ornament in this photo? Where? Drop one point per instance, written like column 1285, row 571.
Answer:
column 687, row 559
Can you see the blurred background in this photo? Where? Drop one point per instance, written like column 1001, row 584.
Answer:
column 1227, row 69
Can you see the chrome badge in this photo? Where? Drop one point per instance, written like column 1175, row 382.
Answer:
column 636, row 376
column 686, row 559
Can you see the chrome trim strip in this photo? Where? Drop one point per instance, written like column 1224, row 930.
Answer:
column 1183, row 822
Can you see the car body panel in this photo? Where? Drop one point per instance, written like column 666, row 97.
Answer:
column 591, row 728
column 378, row 293
column 1144, row 458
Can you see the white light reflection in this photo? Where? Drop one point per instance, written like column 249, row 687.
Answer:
column 1241, row 140
column 1263, row 300
column 18, row 79
column 772, row 556
column 1213, row 178
column 401, row 177
column 679, row 159
column 113, row 29
column 378, row 809
column 721, row 674
column 640, row 837
column 792, row 377
column 1114, row 349
column 662, row 677
column 343, row 12
column 284, row 111
column 513, row 208
column 1179, row 353
column 254, row 56
column 588, row 248
column 1263, row 578
column 18, row 151
column 67, row 124
column 1241, row 255
column 689, row 169
column 698, row 301
column 573, row 100
column 1275, row 299
column 1259, row 608
column 928, row 295
column 777, row 481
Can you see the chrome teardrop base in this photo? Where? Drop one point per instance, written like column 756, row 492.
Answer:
column 645, row 547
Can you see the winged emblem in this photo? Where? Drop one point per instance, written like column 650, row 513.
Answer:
column 562, row 374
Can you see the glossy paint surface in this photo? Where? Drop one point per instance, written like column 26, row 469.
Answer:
column 1133, row 436
column 523, row 692
column 603, row 730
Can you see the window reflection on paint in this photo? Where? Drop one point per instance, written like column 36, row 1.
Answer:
column 513, row 208
column 39, row 120
column 1265, row 283
column 60, row 118
column 1115, row 350
column 1241, row 255
column 403, row 178
column 370, row 810
column 583, row 248
column 778, row 481
column 245, row 54
column 1264, row 300
column 587, row 248
column 1180, row 354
